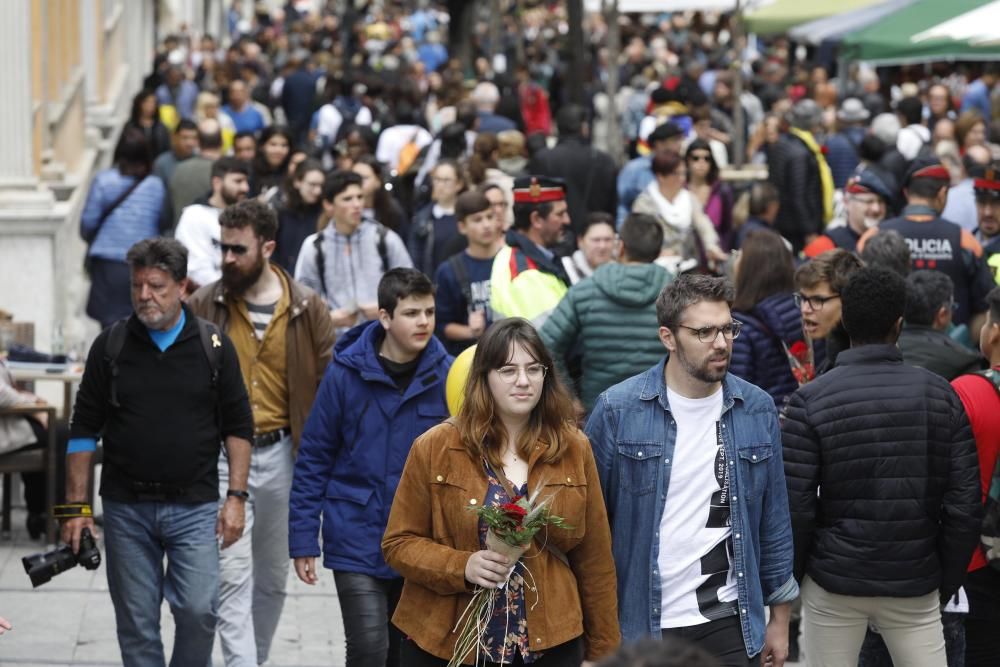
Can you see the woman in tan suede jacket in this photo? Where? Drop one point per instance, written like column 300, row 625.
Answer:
column 513, row 435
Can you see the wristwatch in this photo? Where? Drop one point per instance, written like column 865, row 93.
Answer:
column 236, row 493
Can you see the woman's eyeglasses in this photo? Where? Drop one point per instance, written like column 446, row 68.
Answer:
column 815, row 302
column 509, row 374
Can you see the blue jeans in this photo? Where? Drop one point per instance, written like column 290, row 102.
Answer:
column 136, row 538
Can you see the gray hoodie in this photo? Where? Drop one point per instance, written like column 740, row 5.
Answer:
column 352, row 264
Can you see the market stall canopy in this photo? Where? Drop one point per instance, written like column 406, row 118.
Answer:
column 833, row 28
column 929, row 30
column 783, row 15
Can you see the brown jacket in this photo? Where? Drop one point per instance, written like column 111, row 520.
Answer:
column 431, row 536
column 309, row 341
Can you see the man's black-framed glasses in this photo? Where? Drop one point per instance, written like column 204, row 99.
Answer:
column 815, row 302
column 709, row 334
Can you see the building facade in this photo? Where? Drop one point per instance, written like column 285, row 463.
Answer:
column 68, row 72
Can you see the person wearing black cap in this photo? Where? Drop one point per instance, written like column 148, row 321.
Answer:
column 987, row 188
column 865, row 199
column 589, row 174
column 938, row 244
column 638, row 173
column 528, row 280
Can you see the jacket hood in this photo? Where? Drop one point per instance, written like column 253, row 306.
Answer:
column 632, row 285
column 358, row 349
column 779, row 313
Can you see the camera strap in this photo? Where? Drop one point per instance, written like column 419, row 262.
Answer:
column 72, row 511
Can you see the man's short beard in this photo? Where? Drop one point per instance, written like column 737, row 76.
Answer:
column 229, row 198
column 702, row 373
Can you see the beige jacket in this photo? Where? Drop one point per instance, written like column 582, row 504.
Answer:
column 15, row 432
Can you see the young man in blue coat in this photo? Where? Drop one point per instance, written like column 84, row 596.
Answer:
column 385, row 387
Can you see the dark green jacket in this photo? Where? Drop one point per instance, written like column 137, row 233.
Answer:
column 612, row 315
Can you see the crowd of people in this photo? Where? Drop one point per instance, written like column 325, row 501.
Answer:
column 762, row 405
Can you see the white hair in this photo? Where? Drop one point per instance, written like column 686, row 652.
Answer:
column 886, row 126
column 485, row 96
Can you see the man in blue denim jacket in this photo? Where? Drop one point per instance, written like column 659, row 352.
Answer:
column 691, row 468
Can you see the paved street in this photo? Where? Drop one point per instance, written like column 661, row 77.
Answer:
column 70, row 621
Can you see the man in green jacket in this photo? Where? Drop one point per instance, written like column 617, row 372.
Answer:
column 610, row 317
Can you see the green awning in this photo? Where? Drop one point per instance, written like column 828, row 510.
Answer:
column 783, row 15
column 897, row 39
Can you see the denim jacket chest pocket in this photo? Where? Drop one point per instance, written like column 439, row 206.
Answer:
column 754, row 468
column 638, row 465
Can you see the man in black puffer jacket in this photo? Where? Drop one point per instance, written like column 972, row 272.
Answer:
column 898, row 512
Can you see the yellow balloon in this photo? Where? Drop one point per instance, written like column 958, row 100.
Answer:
column 454, row 388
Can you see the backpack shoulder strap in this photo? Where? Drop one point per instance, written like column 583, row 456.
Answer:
column 382, row 245
column 462, row 276
column 113, row 345
column 320, row 262
column 211, row 342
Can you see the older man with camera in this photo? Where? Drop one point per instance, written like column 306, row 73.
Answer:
column 162, row 390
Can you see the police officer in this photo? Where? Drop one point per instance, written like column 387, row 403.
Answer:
column 938, row 244
column 865, row 199
column 986, row 185
column 528, row 280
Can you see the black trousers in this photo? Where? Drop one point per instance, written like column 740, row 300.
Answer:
column 982, row 640
column 366, row 605
column 569, row 654
column 722, row 638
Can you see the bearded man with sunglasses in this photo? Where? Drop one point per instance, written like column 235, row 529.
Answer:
column 284, row 339
column 691, row 468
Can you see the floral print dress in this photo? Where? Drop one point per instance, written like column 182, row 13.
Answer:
column 506, row 634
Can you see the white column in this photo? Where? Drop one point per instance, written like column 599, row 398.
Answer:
column 89, row 20
column 16, row 168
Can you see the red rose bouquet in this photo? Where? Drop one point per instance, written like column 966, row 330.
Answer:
column 511, row 528
column 801, row 360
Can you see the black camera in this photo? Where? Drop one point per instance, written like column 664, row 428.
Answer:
column 42, row 567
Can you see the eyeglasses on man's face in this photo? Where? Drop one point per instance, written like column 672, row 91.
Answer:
column 710, row 334
column 815, row 302
column 510, row 373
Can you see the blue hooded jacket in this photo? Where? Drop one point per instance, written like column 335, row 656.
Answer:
column 353, row 449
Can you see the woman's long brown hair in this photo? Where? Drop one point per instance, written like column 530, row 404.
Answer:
column 549, row 424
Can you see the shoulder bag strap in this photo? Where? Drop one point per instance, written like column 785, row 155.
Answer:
column 115, row 204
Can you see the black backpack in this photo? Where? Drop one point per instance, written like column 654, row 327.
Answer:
column 383, row 253
column 990, row 533
column 211, row 342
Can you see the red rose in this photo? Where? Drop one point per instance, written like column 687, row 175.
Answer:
column 799, row 350
column 515, row 512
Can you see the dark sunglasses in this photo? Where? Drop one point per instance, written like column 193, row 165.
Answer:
column 238, row 250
